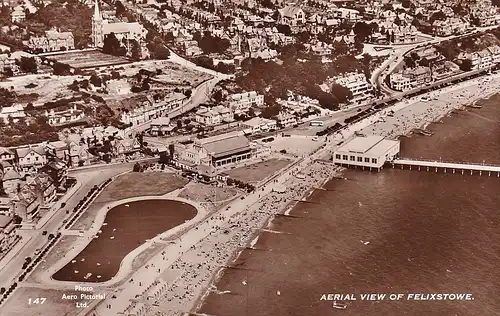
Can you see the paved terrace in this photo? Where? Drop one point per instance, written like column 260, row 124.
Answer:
column 446, row 165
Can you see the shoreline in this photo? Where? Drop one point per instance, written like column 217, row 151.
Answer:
column 426, row 113
column 253, row 238
column 414, row 113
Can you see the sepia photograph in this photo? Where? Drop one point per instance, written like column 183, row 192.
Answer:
column 249, row 157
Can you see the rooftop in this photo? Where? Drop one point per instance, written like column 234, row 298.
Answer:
column 226, row 144
column 370, row 145
column 163, row 120
column 5, row 220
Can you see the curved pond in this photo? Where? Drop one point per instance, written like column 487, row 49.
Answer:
column 127, row 226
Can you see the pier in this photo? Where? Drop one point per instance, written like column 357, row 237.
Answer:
column 445, row 166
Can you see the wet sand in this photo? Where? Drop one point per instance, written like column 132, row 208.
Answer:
column 127, row 228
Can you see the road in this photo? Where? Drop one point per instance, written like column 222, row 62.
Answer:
column 87, row 178
column 399, row 52
column 200, row 94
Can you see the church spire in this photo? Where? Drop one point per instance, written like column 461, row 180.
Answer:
column 97, row 13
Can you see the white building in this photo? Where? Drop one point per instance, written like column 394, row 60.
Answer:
column 241, row 102
column 15, row 112
column 411, row 78
column 400, row 82
column 291, row 15
column 64, row 116
column 357, row 84
column 369, row 151
column 31, row 158
column 208, row 117
column 18, row 14
column 160, row 126
column 52, row 41
column 450, row 27
column 483, row 59
column 150, row 110
column 259, row 124
column 284, row 120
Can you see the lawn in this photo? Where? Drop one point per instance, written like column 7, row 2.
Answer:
column 88, row 59
column 61, row 248
column 132, row 184
column 259, row 171
column 200, row 192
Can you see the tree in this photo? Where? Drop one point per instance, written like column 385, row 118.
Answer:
column 409, row 62
column 271, row 111
column 135, row 50
column 161, row 52
column 120, row 9
column 112, row 46
column 8, row 72
column 218, row 96
column 188, row 93
column 362, row 31
column 342, row 93
column 28, row 65
column 438, row 15
column 285, row 29
column 137, row 167
column 406, row 4
column 424, row 62
column 95, row 80
column 466, row 65
column 61, row 69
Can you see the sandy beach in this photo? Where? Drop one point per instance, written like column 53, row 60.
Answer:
column 414, row 113
column 181, row 287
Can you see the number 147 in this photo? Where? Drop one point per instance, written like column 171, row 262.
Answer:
column 38, row 300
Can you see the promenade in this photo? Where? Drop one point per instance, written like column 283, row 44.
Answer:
column 184, row 269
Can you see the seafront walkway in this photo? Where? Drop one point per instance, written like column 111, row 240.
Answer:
column 453, row 167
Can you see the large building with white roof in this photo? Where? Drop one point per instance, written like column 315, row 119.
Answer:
column 367, row 151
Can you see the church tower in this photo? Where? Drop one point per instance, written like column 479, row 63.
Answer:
column 97, row 32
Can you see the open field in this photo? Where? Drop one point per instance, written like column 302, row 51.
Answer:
column 129, row 185
column 17, row 304
column 48, row 88
column 171, row 73
column 88, row 59
column 134, row 184
column 259, row 171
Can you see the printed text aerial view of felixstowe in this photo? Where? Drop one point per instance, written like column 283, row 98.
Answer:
column 249, row 157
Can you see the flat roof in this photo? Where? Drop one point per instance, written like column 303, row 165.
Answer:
column 360, row 144
column 382, row 147
column 372, row 145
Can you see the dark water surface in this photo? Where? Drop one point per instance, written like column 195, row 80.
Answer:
column 428, row 233
column 130, row 226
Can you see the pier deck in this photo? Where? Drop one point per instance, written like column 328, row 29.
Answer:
column 443, row 165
